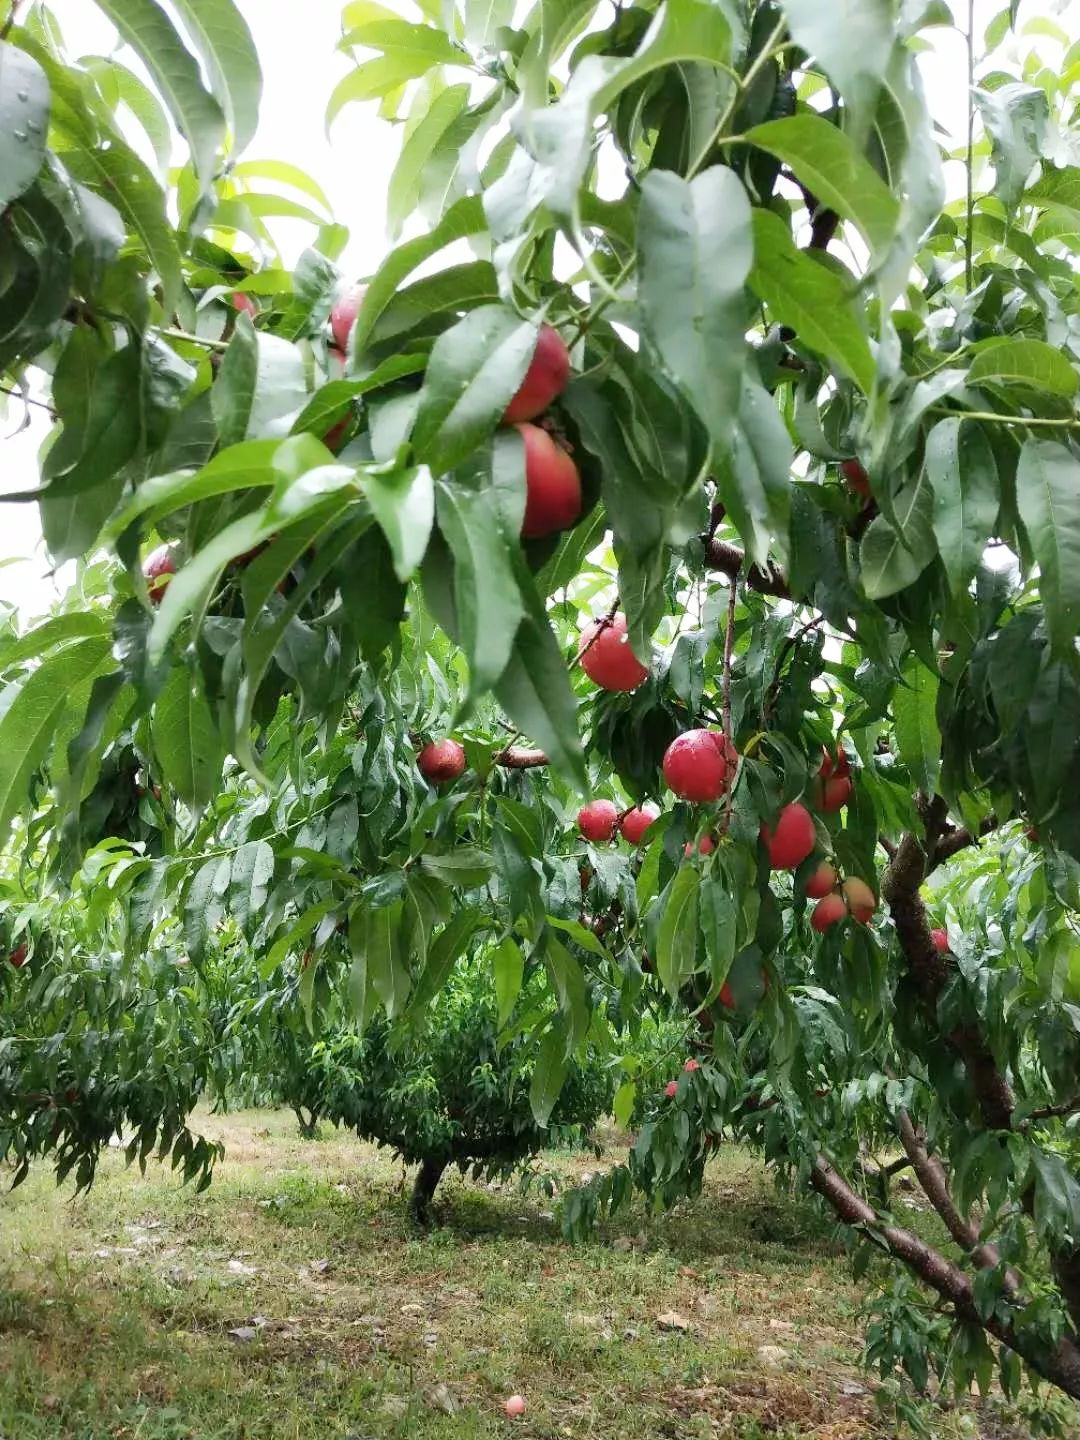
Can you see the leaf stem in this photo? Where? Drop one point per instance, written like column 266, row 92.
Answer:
column 764, row 56
column 716, row 138
column 203, row 340
column 1071, row 423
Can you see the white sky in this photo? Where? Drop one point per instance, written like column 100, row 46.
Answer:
column 300, row 68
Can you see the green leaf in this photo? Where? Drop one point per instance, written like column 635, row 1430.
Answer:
column 198, row 116
column 887, row 564
column 78, row 501
column 330, row 403
column 404, row 188
column 260, row 389
column 403, row 503
column 474, row 370
column 812, row 298
column 895, row 551
column 284, row 173
column 296, row 934
column 1025, row 362
column 961, row 468
column 487, row 592
column 753, row 478
column 1048, row 498
column 568, row 980
column 443, row 954
column 402, row 37
column 224, row 44
column 143, row 104
column 549, row 1076
column 186, row 739
column 34, row 714
column 1059, row 192
column 408, row 51
column 1015, row 117
column 248, row 465
column 534, row 689
column 49, row 635
column 1050, row 724
column 827, row 162
column 465, row 867
column 622, row 1106
column 508, row 965
column 719, row 928
column 204, row 906
column 24, row 121
column 852, row 41
column 463, row 219
column 387, row 967
column 562, row 136
column 252, row 871
column 315, row 500
column 917, row 733
column 694, row 310
column 676, row 951
column 119, row 176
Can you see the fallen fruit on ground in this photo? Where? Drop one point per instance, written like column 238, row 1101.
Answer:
column 545, row 379
column 791, row 839
column 606, row 656
column 552, row 485
column 515, row 1406
column 860, row 899
column 821, row 881
column 597, row 820
column 827, row 912
column 699, row 765
column 441, row 761
column 635, row 823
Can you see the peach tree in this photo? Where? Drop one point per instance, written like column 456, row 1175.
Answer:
column 708, row 443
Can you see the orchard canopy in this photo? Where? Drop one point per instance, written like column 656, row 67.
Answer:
column 710, row 443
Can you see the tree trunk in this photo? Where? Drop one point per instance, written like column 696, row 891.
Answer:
column 427, row 1178
column 308, row 1124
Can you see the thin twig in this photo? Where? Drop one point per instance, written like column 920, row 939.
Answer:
column 969, row 228
column 10, row 21
column 729, row 642
column 27, row 399
column 785, row 650
column 729, row 741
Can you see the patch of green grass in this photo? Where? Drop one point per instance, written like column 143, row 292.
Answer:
column 117, row 1308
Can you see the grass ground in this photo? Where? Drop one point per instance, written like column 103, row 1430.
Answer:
column 292, row 1301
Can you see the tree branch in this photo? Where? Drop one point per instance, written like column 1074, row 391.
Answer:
column 517, row 757
column 932, row 1178
column 1061, row 1365
column 1050, row 1112
column 729, row 559
column 929, row 972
